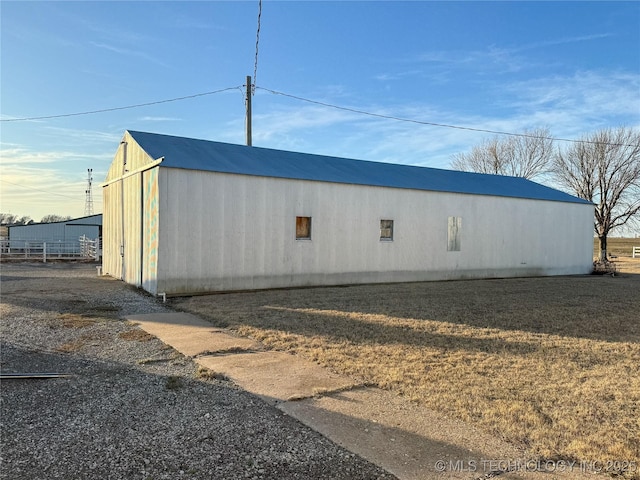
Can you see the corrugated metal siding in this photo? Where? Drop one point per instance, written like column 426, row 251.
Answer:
column 133, row 229
column 228, row 232
column 52, row 232
column 136, row 158
column 151, row 225
column 129, row 243
column 112, row 229
column 123, row 197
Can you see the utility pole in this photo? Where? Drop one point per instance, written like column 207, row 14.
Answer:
column 248, row 104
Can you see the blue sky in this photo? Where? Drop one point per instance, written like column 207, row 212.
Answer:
column 507, row 66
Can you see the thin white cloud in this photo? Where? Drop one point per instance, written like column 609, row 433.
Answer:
column 111, row 32
column 384, row 77
column 82, row 137
column 159, row 119
column 585, row 100
column 37, row 191
column 189, row 22
column 129, row 52
column 20, row 156
column 496, row 59
column 561, row 41
column 37, row 183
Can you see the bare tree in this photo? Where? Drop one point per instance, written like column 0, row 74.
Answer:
column 527, row 155
column 54, row 218
column 7, row 218
column 11, row 219
column 605, row 169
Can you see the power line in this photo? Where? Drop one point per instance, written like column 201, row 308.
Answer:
column 255, row 65
column 104, row 110
column 433, row 124
column 38, row 190
column 316, row 102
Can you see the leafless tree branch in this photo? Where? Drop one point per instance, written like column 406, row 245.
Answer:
column 526, row 156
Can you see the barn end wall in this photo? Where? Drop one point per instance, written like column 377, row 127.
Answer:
column 234, row 232
column 130, row 216
column 122, row 229
column 129, row 239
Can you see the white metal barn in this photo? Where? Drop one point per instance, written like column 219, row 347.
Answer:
column 186, row 216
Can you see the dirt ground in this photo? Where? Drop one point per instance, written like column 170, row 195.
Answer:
column 132, row 407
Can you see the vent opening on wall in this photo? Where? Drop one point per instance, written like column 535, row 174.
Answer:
column 454, row 228
column 386, row 230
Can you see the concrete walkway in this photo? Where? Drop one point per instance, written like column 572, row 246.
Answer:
column 409, row 441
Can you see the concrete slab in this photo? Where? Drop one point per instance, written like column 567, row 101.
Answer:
column 412, row 442
column 407, row 440
column 276, row 376
column 191, row 335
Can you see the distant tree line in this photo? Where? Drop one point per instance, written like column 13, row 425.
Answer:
column 602, row 167
column 11, row 219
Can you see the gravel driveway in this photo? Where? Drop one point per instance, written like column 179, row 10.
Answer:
column 132, row 407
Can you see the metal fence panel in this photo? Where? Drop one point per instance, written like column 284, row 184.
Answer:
column 83, row 248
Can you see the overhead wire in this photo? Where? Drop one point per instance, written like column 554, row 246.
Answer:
column 255, row 64
column 421, row 122
column 316, row 102
column 113, row 109
column 38, row 190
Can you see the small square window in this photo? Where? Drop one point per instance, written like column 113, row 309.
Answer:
column 386, row 229
column 303, row 228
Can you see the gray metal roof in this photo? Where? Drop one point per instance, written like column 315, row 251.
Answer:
column 193, row 154
column 91, row 220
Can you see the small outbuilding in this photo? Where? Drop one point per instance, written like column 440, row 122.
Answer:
column 64, row 240
column 66, row 231
column 185, row 216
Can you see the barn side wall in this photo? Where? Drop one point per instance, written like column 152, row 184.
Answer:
column 53, row 232
column 232, row 232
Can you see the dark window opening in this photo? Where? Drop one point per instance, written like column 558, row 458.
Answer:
column 303, row 228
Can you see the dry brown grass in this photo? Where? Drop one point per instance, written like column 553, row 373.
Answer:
column 72, row 346
column 621, row 247
column 80, row 342
column 203, row 373
column 136, row 335
column 74, row 320
column 84, row 315
column 547, row 363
